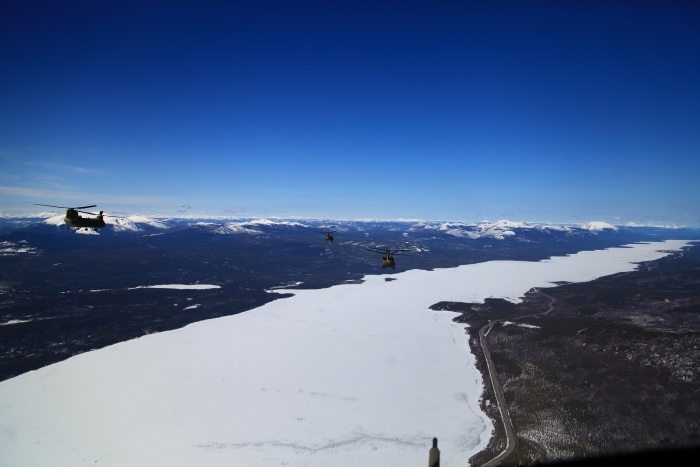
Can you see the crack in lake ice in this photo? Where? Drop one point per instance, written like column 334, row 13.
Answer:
column 418, row 442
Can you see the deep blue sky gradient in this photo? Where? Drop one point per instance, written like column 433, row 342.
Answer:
column 541, row 111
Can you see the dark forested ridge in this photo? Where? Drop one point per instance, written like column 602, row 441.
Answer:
column 613, row 367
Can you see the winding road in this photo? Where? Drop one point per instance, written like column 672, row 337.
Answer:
column 551, row 304
column 511, row 440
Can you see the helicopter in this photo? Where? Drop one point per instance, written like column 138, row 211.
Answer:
column 329, row 235
column 74, row 219
column 388, row 258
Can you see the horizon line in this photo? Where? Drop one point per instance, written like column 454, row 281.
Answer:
column 49, row 214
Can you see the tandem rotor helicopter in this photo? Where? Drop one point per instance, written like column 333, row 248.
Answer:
column 75, row 220
column 388, row 258
column 329, row 235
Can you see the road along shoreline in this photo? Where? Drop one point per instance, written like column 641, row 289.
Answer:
column 511, row 440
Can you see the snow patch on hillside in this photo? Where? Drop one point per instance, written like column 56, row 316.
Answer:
column 86, row 232
column 522, row 325
column 178, row 286
column 15, row 321
column 8, row 248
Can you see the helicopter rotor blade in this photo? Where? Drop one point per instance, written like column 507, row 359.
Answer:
column 50, row 206
column 412, row 249
column 103, row 215
column 376, row 251
column 66, row 207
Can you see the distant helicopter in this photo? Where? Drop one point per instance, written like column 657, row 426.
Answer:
column 329, row 235
column 388, row 258
column 74, row 219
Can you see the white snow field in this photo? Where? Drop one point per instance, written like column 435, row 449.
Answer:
column 178, row 286
column 352, row 375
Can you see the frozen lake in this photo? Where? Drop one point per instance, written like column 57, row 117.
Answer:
column 356, row 374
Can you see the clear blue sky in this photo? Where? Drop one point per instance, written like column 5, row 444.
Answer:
column 541, row 111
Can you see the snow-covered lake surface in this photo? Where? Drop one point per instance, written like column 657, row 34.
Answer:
column 353, row 375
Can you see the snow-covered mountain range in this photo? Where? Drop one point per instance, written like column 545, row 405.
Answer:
column 498, row 230
column 502, row 230
column 118, row 224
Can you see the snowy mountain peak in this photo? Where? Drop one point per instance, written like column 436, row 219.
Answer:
column 121, row 224
column 597, row 226
column 270, row 222
column 56, row 220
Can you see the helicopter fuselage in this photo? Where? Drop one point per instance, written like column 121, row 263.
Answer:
column 329, row 238
column 388, row 261
column 75, row 220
